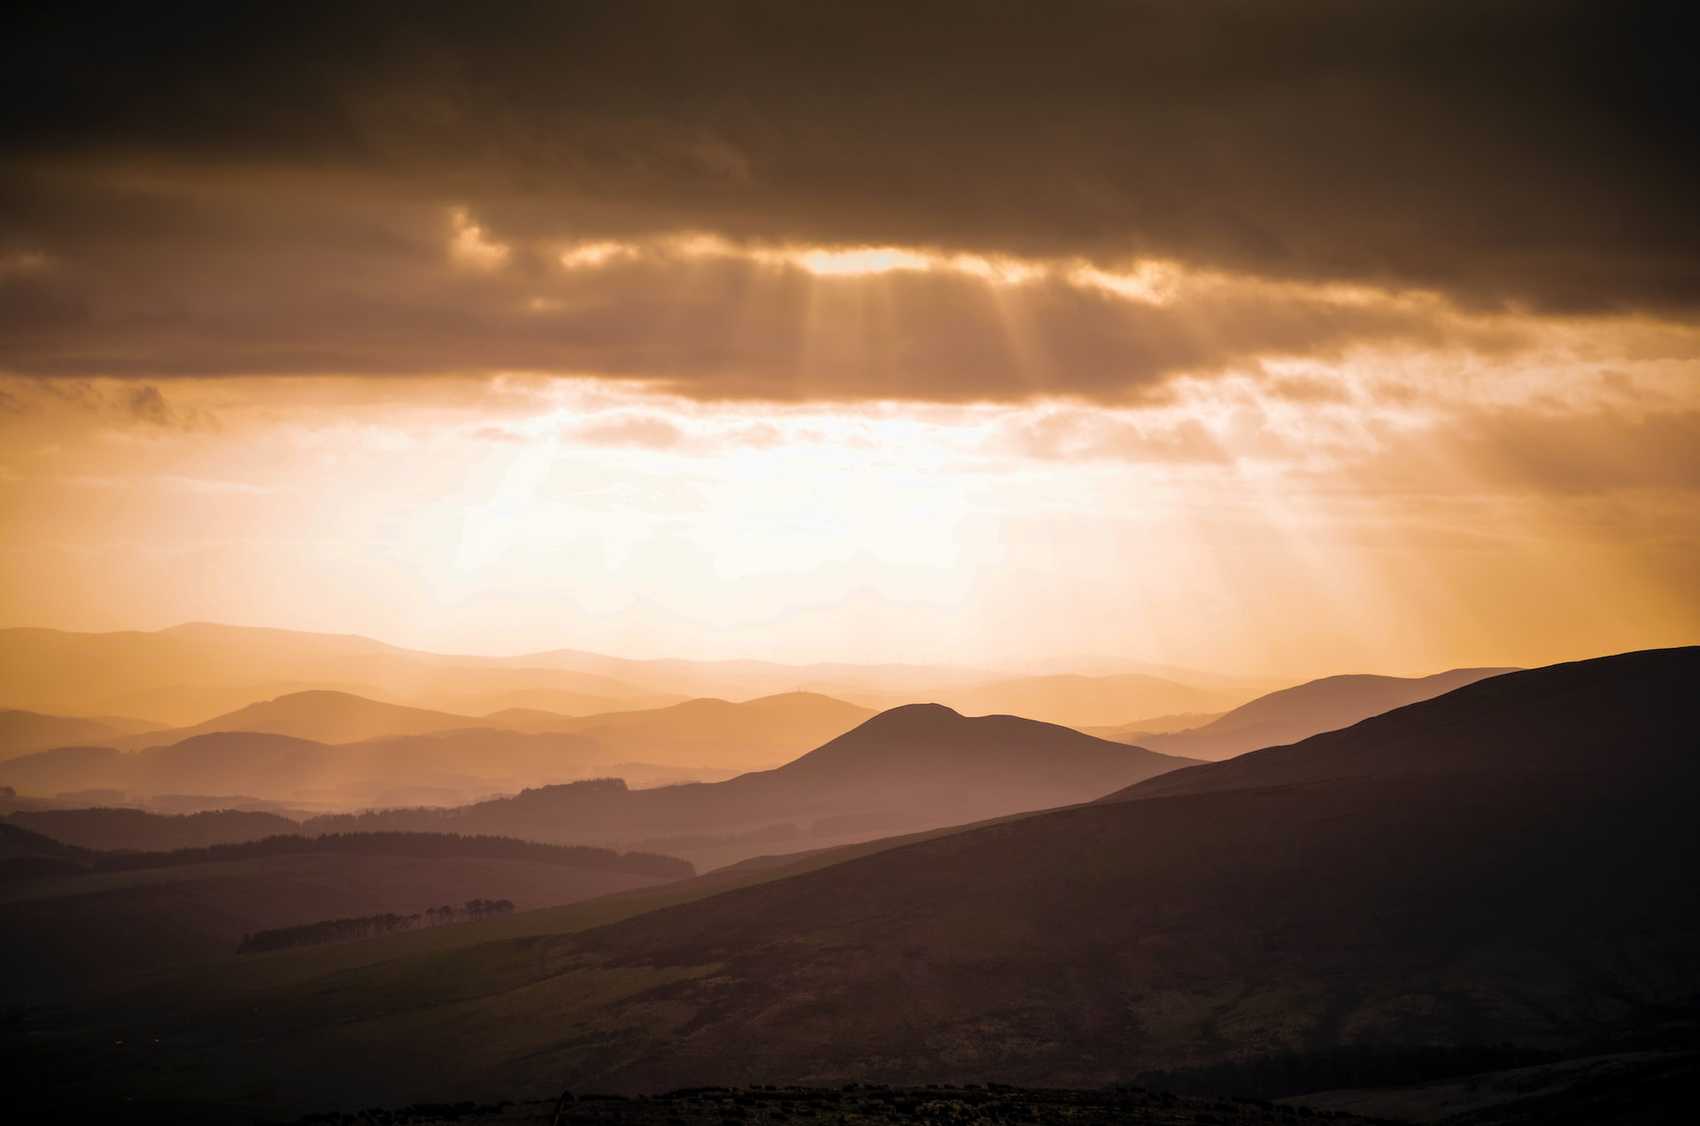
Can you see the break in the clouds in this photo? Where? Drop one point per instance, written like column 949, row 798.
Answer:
column 784, row 201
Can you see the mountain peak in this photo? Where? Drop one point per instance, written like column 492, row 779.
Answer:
column 940, row 743
column 912, row 716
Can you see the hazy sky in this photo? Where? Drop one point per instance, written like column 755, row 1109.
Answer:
column 1290, row 338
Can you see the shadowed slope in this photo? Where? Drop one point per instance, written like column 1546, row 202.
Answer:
column 1581, row 716
column 1298, row 712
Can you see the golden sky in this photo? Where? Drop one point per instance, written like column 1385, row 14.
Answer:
column 1205, row 344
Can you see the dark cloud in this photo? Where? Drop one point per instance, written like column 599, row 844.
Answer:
column 274, row 177
column 715, row 326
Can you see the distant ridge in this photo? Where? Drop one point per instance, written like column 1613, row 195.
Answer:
column 1294, row 713
column 435, row 767
column 321, row 715
column 1088, row 701
column 910, row 768
column 750, row 735
column 22, row 732
column 1574, row 717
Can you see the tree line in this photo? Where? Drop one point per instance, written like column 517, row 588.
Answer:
column 396, row 843
column 370, row 926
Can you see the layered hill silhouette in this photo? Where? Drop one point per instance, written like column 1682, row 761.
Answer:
column 182, row 676
column 1296, row 713
column 277, row 750
column 910, row 768
column 443, row 767
column 1509, row 864
column 321, row 715
column 747, row 678
column 185, row 674
column 739, row 736
column 751, row 735
column 22, row 731
column 1088, row 701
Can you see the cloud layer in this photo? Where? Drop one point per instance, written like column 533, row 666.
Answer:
column 380, row 189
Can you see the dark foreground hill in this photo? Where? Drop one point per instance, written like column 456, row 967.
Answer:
column 1299, row 712
column 907, row 769
column 866, row 1105
column 79, row 921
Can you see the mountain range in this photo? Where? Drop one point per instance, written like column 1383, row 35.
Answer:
column 1507, row 864
column 181, row 676
column 906, row 769
column 281, row 750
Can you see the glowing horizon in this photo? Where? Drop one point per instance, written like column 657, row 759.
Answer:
column 1206, row 345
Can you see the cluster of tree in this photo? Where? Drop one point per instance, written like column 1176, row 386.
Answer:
column 370, row 926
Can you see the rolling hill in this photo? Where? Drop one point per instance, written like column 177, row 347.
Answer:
column 743, row 679
column 751, row 735
column 192, row 907
column 182, row 675
column 22, row 732
column 437, row 768
column 139, row 830
column 1297, row 713
column 706, row 733
column 1086, row 701
column 910, row 768
column 1506, row 864
column 320, row 715
column 279, row 750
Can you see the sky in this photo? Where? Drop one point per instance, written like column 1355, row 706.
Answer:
column 1294, row 338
